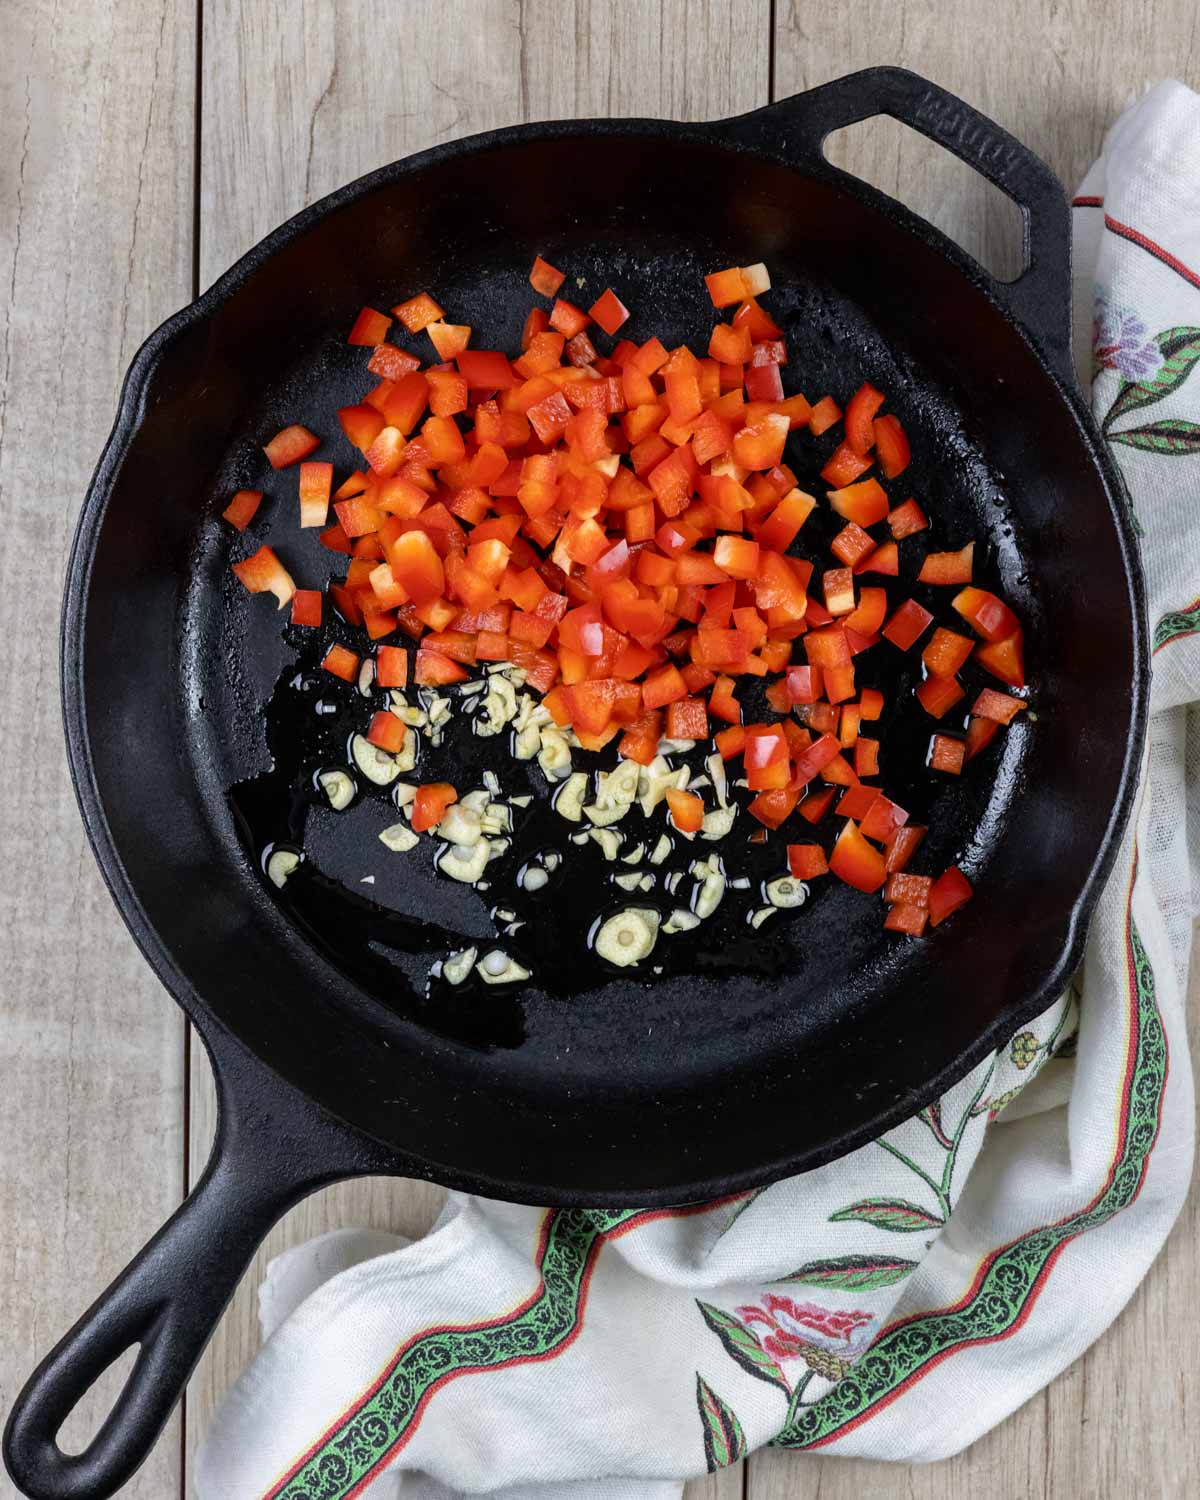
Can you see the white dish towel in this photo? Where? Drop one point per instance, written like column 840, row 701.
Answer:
column 903, row 1300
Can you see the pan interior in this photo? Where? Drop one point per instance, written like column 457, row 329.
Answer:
column 609, row 1082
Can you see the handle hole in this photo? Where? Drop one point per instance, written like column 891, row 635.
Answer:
column 935, row 184
column 92, row 1410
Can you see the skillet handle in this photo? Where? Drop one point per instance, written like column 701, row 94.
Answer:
column 1040, row 298
column 273, row 1148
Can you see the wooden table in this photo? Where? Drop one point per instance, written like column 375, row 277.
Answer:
column 144, row 146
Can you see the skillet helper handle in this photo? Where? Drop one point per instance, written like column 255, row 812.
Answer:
column 272, row 1149
column 1040, row 298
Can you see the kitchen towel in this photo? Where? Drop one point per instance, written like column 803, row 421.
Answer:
column 901, row 1301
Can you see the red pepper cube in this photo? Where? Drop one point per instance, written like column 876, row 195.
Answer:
column 289, row 446
column 341, row 663
column 907, row 625
column 866, row 754
column 804, row 684
column 737, row 556
column 687, row 810
column 370, row 327
column 856, row 861
column 807, row 861
column 910, row 890
column 388, row 732
column 1001, row 707
column 391, row 667
column 839, row 683
column 241, row 509
column 545, row 278
column 687, row 719
column 885, row 559
column 949, row 892
column 581, row 351
column 865, row 503
column 567, row 319
column 980, row 734
column 891, row 446
column 990, row 616
column 608, row 311
column 838, row 586
column 937, row 695
column 857, row 801
column 910, row 920
column 726, row 287
column 418, row 312
column 860, row 411
column 814, row 807
column 263, row 573
column 430, row 804
column 1004, row 659
column 870, row 704
column 948, row 567
column 947, row 754
column 907, row 520
column 306, row 607
column 549, row 418
column 946, row 652
column 902, row 844
column 390, row 363
column 852, row 544
column 824, row 414
column 884, row 818
column 316, row 483
column 773, row 806
column 763, row 383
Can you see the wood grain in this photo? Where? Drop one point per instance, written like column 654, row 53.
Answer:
column 95, row 250
column 290, row 113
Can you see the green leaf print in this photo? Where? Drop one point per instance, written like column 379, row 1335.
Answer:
column 1171, row 436
column 854, row 1273
column 743, row 1346
column 1181, row 351
column 889, row 1213
column 724, row 1440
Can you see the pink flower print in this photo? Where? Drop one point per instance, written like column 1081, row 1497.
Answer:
column 794, row 1326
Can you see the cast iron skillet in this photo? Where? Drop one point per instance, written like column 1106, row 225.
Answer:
column 771, row 1059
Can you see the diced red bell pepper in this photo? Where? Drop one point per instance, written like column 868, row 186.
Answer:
column 781, row 527
column 857, row 801
column 838, row 587
column 947, row 754
column 870, row 705
column 721, row 701
column 341, row 663
column 391, row 667
column 370, row 327
column 948, row 567
column 362, row 424
column 881, row 822
column 608, row 311
column 730, row 742
column 999, row 706
column 390, row 363
column 865, row 503
column 946, row 652
column 417, row 566
column 814, row 807
column 430, row 804
column 763, row 383
column 891, row 446
column 866, row 753
column 902, row 844
column 855, row 861
column 844, row 466
column 486, row 370
column 567, row 318
column 885, row 559
column 807, row 861
column 687, row 810
column 545, row 278
column 911, row 890
column 860, row 410
column 263, row 573
column 434, row 670
column 241, row 509
column 737, row 284
column 990, row 616
column 1005, row 659
column 418, row 312
column 306, row 607
column 664, row 686
column 907, row 520
column 449, row 339
column 773, row 806
column 868, row 618
column 948, row 894
column 906, row 918
column 852, row 544
column 316, row 483
column 937, row 695
column 907, row 625
column 824, row 414
column 388, row 732
column 289, row 446
column 804, row 684
column 760, row 444
column 687, row 719
column 980, row 734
